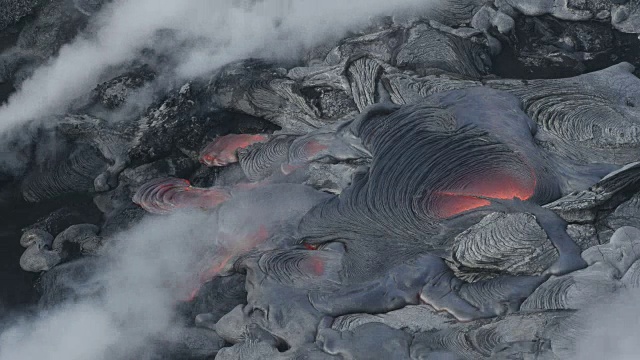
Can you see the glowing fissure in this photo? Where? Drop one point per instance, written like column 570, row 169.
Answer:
column 454, row 202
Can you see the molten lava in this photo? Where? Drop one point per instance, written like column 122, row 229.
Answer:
column 314, row 147
column 503, row 186
column 223, row 150
column 234, row 246
column 163, row 196
column 317, row 266
column 310, row 246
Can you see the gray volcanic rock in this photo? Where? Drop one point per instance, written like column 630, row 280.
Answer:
column 411, row 318
column 64, row 175
column 459, row 185
column 258, row 89
column 562, row 9
column 216, row 298
column 608, row 120
column 626, row 214
column 191, row 343
column 113, row 93
column 43, row 252
column 520, row 335
column 481, row 247
column 611, row 268
column 583, row 206
column 12, row 11
column 89, row 7
column 72, row 281
column 56, row 23
column 30, row 43
column 549, row 47
column 455, row 12
column 59, row 220
column 429, row 48
column 385, row 342
column 625, row 16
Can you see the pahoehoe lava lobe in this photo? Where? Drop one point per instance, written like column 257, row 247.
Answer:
column 591, row 119
column 75, row 174
column 264, row 160
column 223, row 150
column 437, row 167
column 435, row 164
column 162, row 196
column 256, row 218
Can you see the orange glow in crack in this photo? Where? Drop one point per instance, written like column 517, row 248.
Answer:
column 310, row 246
column 451, row 203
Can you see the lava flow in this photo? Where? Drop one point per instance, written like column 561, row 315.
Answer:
column 223, row 150
column 162, row 196
column 308, row 151
column 233, row 246
column 451, row 203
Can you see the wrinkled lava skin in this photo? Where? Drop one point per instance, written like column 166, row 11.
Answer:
column 438, row 166
column 437, row 159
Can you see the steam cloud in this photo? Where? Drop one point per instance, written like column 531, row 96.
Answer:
column 137, row 303
column 612, row 329
column 219, row 32
column 149, row 269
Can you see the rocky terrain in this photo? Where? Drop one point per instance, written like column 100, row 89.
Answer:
column 459, row 184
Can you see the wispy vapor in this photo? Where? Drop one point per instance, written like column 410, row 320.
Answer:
column 145, row 274
column 219, row 31
column 611, row 329
column 140, row 276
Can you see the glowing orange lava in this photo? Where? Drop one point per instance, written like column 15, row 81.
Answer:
column 222, row 151
column 193, row 294
column 451, row 203
column 316, row 263
column 200, row 198
column 454, row 204
column 317, row 266
column 313, row 147
column 310, row 246
column 236, row 247
column 214, row 270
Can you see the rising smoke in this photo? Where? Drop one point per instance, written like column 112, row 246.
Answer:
column 137, row 303
column 218, row 32
column 611, row 328
column 147, row 271
column 139, row 281
column 146, row 263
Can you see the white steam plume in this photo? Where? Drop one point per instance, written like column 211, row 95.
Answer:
column 137, row 304
column 149, row 270
column 221, row 31
column 612, row 329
